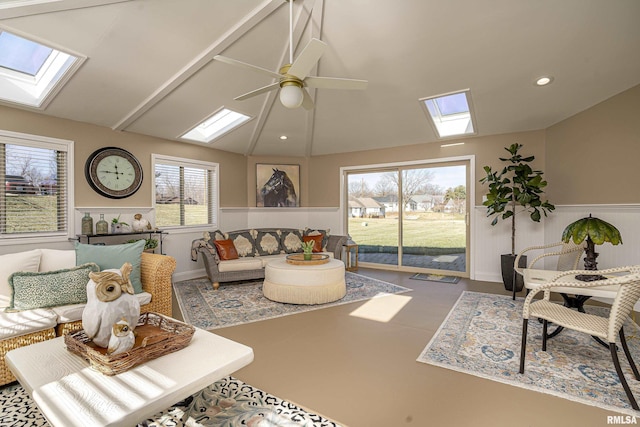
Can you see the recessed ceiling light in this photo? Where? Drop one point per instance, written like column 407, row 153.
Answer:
column 544, row 80
column 283, row 137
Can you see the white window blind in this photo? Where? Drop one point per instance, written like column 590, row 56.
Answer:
column 186, row 192
column 34, row 196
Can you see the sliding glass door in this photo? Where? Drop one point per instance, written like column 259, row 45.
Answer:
column 413, row 217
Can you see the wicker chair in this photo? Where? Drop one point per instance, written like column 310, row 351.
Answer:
column 605, row 328
column 568, row 256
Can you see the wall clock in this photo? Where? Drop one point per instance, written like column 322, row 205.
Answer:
column 113, row 172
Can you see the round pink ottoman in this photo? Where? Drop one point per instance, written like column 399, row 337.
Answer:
column 304, row 284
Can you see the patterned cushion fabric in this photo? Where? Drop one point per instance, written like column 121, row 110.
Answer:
column 317, row 247
column 226, row 249
column 211, row 237
column 268, row 242
column 52, row 288
column 244, row 242
column 325, row 236
column 291, row 241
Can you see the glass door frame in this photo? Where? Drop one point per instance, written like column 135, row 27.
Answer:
column 470, row 208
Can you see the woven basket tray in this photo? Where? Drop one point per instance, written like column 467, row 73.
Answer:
column 156, row 335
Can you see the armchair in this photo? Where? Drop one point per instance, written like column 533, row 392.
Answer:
column 568, row 257
column 627, row 279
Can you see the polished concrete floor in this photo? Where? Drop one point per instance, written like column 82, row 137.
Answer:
column 363, row 372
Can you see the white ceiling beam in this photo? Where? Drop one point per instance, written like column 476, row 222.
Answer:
column 300, row 24
column 19, row 8
column 241, row 28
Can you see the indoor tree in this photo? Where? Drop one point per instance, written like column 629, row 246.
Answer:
column 514, row 190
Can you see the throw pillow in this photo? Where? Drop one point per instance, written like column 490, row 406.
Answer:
column 57, row 259
column 11, row 263
column 291, row 241
column 244, row 243
column 317, row 247
column 51, row 288
column 268, row 242
column 226, row 250
column 325, row 233
column 113, row 256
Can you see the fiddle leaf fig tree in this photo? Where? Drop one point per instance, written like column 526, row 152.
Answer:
column 514, row 190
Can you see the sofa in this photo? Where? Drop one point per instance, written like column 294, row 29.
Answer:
column 57, row 269
column 255, row 248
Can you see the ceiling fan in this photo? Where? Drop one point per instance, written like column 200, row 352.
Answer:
column 294, row 76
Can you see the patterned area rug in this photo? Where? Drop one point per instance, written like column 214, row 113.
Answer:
column 482, row 335
column 226, row 403
column 238, row 303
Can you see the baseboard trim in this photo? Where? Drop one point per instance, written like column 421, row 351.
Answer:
column 188, row 275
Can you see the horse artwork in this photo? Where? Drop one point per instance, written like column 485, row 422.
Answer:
column 279, row 189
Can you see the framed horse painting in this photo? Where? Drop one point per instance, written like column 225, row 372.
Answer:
column 278, row 186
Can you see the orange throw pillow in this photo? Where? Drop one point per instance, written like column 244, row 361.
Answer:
column 226, row 249
column 317, row 246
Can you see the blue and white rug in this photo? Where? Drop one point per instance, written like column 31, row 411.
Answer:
column 225, row 403
column 238, row 303
column 482, row 335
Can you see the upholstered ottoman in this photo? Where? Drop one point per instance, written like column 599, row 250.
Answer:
column 304, row 284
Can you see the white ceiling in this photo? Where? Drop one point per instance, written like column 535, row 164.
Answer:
column 150, row 68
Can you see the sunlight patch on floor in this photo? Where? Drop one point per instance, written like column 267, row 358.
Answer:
column 381, row 308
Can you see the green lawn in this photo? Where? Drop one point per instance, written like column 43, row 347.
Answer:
column 433, row 230
column 167, row 215
column 41, row 210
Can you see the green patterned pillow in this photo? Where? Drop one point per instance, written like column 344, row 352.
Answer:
column 50, row 288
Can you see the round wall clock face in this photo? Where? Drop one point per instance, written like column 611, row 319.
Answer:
column 113, row 172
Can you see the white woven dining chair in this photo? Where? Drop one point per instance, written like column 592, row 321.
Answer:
column 568, row 256
column 606, row 328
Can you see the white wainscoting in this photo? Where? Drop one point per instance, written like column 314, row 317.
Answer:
column 239, row 218
column 493, row 241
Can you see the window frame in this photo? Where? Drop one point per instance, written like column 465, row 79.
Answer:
column 214, row 193
column 38, row 141
column 453, row 117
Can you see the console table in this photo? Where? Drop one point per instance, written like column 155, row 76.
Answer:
column 149, row 233
column 69, row 393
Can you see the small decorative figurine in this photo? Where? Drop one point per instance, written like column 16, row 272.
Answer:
column 140, row 224
column 110, row 297
column 122, row 338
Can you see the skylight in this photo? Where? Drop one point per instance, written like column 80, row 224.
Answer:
column 220, row 123
column 450, row 114
column 30, row 72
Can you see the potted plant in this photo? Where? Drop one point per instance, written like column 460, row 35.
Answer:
column 514, row 190
column 118, row 226
column 307, row 248
column 596, row 231
column 149, row 244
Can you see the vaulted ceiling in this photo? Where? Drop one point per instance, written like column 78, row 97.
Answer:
column 150, row 66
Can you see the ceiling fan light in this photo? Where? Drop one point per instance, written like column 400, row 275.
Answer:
column 291, row 96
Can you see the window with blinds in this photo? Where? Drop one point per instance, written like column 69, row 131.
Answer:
column 186, row 192
column 34, row 200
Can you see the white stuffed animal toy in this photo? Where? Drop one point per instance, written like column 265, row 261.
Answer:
column 110, row 298
column 122, row 338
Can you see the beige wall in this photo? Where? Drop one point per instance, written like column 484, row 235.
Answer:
column 324, row 171
column 592, row 157
column 88, row 138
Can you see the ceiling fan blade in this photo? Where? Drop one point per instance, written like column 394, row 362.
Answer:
column 335, row 83
column 309, row 57
column 307, row 102
column 248, row 66
column 253, row 93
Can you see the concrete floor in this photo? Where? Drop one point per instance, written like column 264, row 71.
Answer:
column 363, row 373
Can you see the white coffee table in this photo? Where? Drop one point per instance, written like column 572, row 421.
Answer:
column 69, row 393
